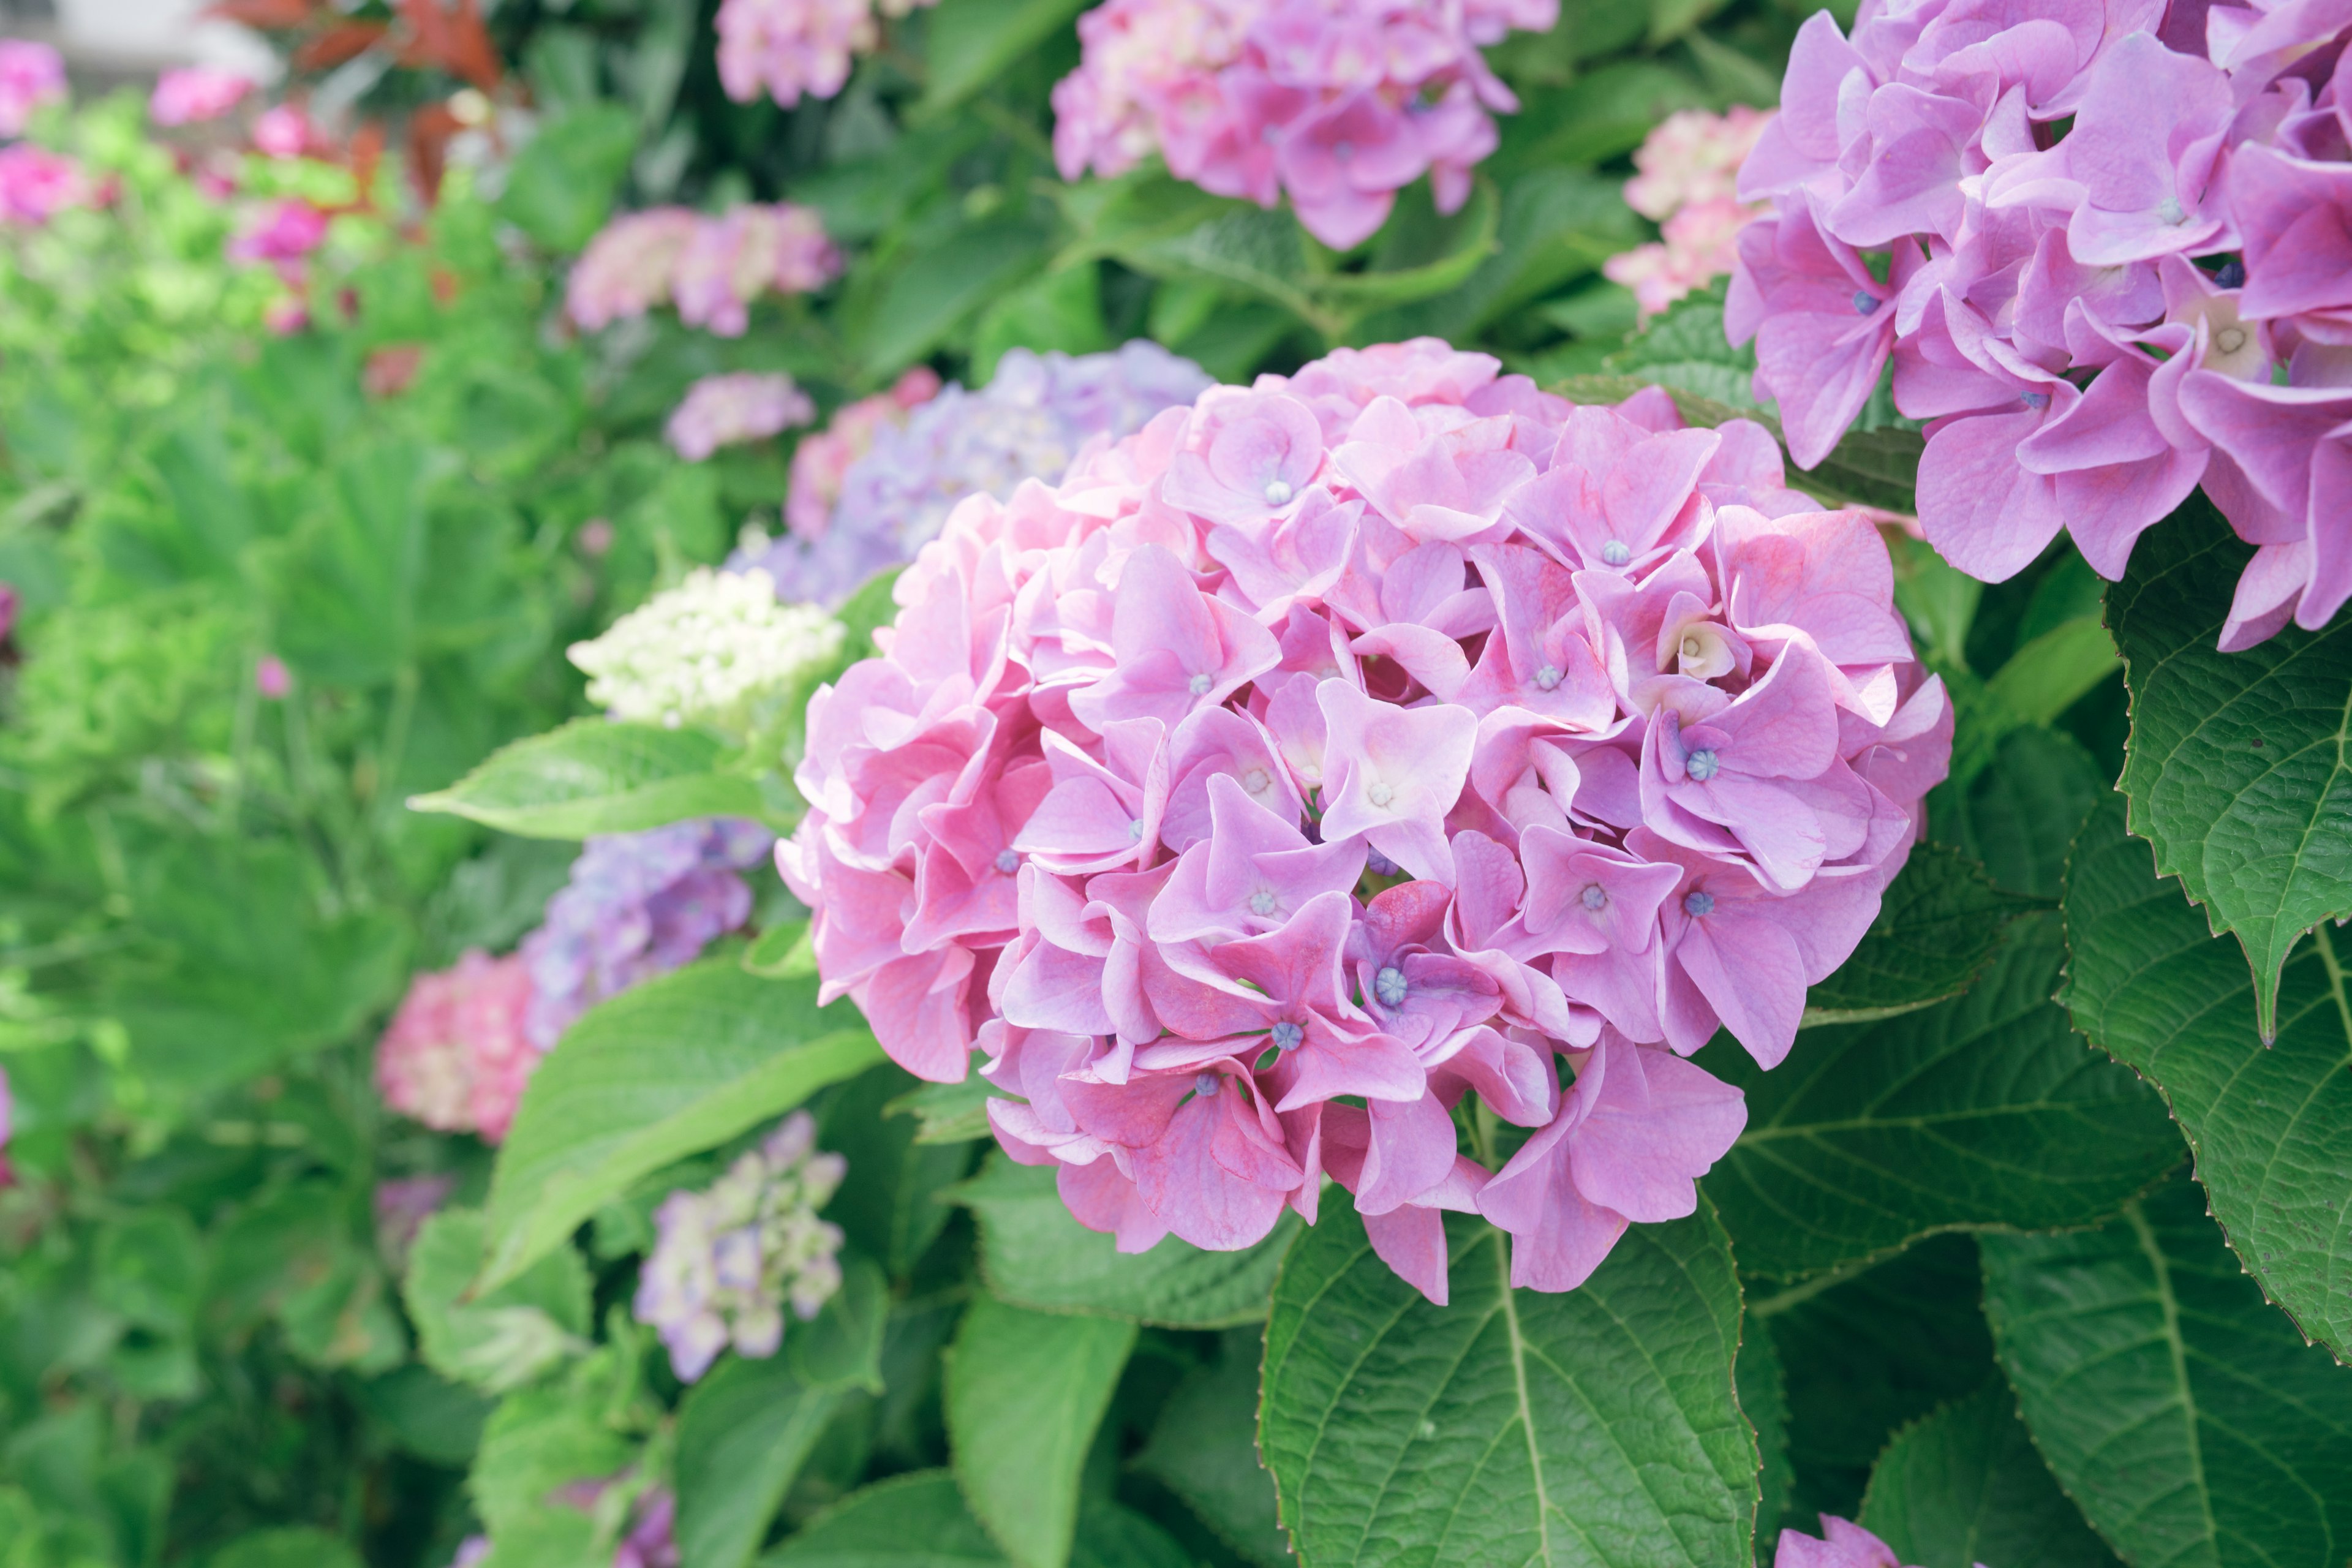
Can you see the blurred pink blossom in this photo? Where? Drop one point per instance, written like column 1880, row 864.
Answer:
column 283, row 131
column 31, row 75
column 728, row 410
column 278, row 233
column 749, row 251
column 35, row 185
column 629, row 267
column 189, row 94
column 788, row 48
column 822, row 461
column 455, row 1056
column 272, row 679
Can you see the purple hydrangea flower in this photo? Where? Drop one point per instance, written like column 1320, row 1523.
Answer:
column 1030, row 421
column 639, row 904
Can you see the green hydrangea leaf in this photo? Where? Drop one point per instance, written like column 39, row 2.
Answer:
column 2185, row 1416
column 1965, row 1486
column 500, row 1339
column 1985, row 1111
column 1203, row 1448
column 593, row 776
column 2239, row 764
column 742, row 1434
column 2270, row 1127
column 1599, row 1425
column 1939, row 924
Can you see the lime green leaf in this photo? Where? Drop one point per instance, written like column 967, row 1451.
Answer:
column 1421, row 254
column 2185, row 1417
column 895, row 1204
column 1936, row 927
column 2238, row 766
column 675, row 1066
column 1260, row 252
column 1964, row 1485
column 742, row 1434
column 2271, row 1128
column 289, row 1546
column 940, row 285
column 596, row 776
column 501, row 1339
column 561, row 187
column 1986, row 1111
column 1595, row 1427
column 2054, row 671
column 1035, row 1255
column 841, row 1347
column 1024, row 1393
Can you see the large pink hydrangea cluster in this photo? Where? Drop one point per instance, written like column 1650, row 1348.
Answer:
column 1341, row 103
column 457, row 1053
column 711, row 268
column 2107, row 245
column 1337, row 748
column 788, row 48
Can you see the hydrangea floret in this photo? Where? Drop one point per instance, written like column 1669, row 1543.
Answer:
column 2104, row 247
column 1336, row 749
column 189, row 95
column 456, row 1055
column 706, row 652
column 731, row 409
column 730, row 1260
column 1037, row 414
column 1339, row 103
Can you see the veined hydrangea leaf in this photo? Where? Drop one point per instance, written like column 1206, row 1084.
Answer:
column 2239, row 764
column 1983, row 1111
column 2186, row 1419
column 495, row 1340
column 678, row 1065
column 2020, row 815
column 743, row 1434
column 1024, row 1392
column 1033, row 1254
column 1595, row 1427
column 1203, row 1448
column 2271, row 1127
column 597, row 777
column 1965, row 1486
column 1936, row 927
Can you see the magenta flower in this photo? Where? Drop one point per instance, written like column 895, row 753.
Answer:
column 35, row 185
column 31, row 75
column 1327, row 753
column 272, row 679
column 190, row 94
column 278, row 235
column 1840, row 1545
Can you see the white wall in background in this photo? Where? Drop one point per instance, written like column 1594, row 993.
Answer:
column 145, row 34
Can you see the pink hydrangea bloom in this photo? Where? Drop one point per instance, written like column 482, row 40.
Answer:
column 31, row 75
column 1699, row 244
column 35, row 185
column 1840, row 1545
column 788, row 48
column 733, row 259
column 726, row 410
column 1339, row 103
column 630, row 266
column 191, row 94
column 455, row 1056
column 1338, row 747
column 2104, row 245
column 1691, row 158
column 822, row 462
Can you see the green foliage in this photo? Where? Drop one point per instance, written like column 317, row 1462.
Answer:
column 2270, row 1127
column 494, row 1340
column 1600, row 1425
column 1938, row 925
column 2236, row 769
column 2186, row 1416
column 743, row 1434
column 597, row 777
column 1965, row 1486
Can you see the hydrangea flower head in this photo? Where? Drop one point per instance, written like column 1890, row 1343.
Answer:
column 31, row 74
column 637, row 905
column 455, row 1056
column 1688, row 170
column 35, row 185
column 730, row 1260
column 1336, row 747
column 733, row 260
column 788, row 48
column 728, row 410
column 820, row 463
column 705, row 652
column 1035, row 417
column 188, row 95
column 1339, row 103
column 2065, row 231
column 630, row 266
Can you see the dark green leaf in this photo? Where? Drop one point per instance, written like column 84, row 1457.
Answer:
column 742, row 1434
column 1259, row 252
column 501, row 1339
column 678, row 1065
column 1035, row 1255
column 1204, row 1449
column 908, row 1521
column 2186, row 1416
column 1964, row 1485
column 893, row 1204
column 2239, row 764
column 1024, row 1393
column 1763, row 1384
column 1868, row 468
column 2272, row 1129
column 939, row 285
column 1936, row 927
column 1986, row 1111
column 1438, row 254
column 970, row 43
column 1596, row 1426
column 2054, row 671
column 2020, row 815
column 841, row 1347
column 289, row 1546
column 597, row 777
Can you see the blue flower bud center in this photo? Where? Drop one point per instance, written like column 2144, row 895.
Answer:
column 1200, row 683
column 1007, row 861
column 1262, row 902
column 1594, row 897
column 1547, row 678
column 1698, row 903
column 1278, row 492
column 1616, row 552
column 1701, row 764
column 1287, row 1036
column 1391, row 986
column 1864, row 302
column 1205, row 1084
column 2036, row 400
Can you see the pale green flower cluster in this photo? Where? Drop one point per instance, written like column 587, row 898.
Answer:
column 706, row 652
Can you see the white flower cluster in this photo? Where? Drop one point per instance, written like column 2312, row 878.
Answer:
column 706, row 651
column 729, row 1260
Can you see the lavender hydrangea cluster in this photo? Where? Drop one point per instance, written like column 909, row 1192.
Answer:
column 729, row 1260
column 638, row 905
column 1030, row 420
